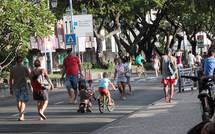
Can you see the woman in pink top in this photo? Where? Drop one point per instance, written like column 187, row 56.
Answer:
column 198, row 59
column 121, row 69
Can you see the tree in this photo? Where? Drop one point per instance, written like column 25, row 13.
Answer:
column 19, row 20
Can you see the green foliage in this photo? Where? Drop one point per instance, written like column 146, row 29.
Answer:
column 19, row 20
column 95, row 66
column 111, row 65
column 86, row 64
column 60, row 66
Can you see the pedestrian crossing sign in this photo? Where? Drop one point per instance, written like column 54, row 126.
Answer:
column 70, row 39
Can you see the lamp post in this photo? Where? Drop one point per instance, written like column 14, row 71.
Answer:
column 84, row 10
column 49, row 56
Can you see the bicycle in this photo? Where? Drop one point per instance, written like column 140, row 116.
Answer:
column 206, row 96
column 104, row 103
column 141, row 69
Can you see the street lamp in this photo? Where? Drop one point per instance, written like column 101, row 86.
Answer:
column 68, row 12
column 54, row 3
column 84, row 10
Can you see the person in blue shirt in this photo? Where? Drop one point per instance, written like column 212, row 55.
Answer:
column 209, row 63
column 103, row 86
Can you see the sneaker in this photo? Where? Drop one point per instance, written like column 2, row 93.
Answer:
column 166, row 98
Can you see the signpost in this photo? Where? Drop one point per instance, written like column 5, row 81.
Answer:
column 70, row 39
column 200, row 41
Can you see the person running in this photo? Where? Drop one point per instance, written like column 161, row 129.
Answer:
column 121, row 69
column 139, row 63
column 156, row 64
column 18, row 74
column 198, row 59
column 70, row 67
column 40, row 95
column 165, row 74
column 103, row 87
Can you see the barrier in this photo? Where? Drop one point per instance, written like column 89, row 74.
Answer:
column 182, row 82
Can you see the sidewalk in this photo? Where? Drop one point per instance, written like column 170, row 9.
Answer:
column 160, row 117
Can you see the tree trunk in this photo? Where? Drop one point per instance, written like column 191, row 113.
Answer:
column 99, row 54
column 121, row 51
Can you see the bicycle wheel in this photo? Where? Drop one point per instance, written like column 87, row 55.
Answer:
column 110, row 108
column 102, row 105
column 205, row 109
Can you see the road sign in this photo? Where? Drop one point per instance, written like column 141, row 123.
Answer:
column 83, row 25
column 70, row 39
column 200, row 41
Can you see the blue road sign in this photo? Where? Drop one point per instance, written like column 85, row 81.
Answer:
column 70, row 39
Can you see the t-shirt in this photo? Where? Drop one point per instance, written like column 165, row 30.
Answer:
column 104, row 83
column 19, row 76
column 209, row 66
column 198, row 58
column 83, row 95
column 138, row 59
column 120, row 69
column 71, row 65
column 191, row 58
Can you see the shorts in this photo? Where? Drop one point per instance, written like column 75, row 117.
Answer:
column 166, row 81
column 122, row 79
column 71, row 81
column 139, row 64
column 21, row 94
column 128, row 79
column 106, row 91
column 41, row 95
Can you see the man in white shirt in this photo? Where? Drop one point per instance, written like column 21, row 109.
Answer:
column 191, row 59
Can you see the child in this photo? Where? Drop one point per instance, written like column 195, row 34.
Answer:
column 91, row 90
column 84, row 97
column 103, row 87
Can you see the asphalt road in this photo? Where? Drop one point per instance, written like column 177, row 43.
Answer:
column 64, row 118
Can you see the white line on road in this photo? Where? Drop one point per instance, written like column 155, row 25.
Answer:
column 59, row 103
column 17, row 114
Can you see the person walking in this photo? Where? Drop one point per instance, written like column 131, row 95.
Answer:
column 71, row 64
column 39, row 94
column 121, row 69
column 178, row 58
column 167, row 78
column 129, row 60
column 191, row 59
column 198, row 59
column 18, row 74
column 128, row 75
column 156, row 64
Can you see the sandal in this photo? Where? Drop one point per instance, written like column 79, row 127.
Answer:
column 166, row 98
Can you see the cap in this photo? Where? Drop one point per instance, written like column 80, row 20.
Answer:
column 168, row 50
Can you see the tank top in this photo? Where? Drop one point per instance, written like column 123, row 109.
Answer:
column 156, row 62
column 165, row 64
column 179, row 59
column 19, row 76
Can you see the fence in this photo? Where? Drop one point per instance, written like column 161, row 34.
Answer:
column 187, row 83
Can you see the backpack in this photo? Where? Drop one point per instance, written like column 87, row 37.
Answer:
column 171, row 68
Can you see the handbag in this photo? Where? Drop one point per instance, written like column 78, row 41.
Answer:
column 171, row 68
column 128, row 74
column 43, row 81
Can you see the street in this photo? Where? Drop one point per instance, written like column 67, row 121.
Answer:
column 63, row 117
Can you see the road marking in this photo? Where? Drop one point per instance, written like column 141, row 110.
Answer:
column 17, row 114
column 59, row 103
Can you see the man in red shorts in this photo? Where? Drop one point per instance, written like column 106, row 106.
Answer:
column 71, row 64
column 166, row 75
